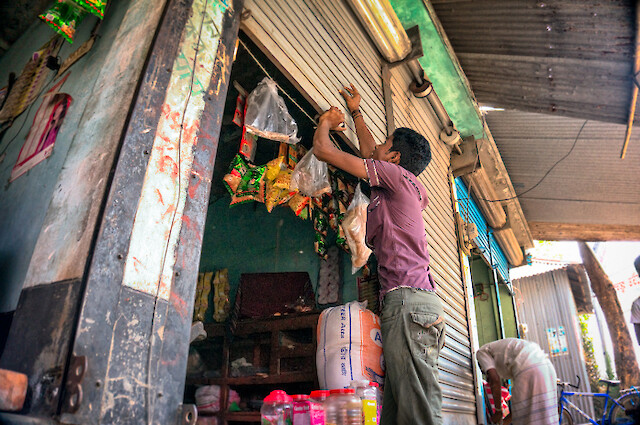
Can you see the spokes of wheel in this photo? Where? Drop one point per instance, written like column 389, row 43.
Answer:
column 566, row 419
column 626, row 411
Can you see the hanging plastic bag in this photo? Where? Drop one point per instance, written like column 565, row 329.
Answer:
column 355, row 228
column 311, row 176
column 267, row 115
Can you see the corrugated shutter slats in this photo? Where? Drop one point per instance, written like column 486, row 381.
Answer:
column 322, row 46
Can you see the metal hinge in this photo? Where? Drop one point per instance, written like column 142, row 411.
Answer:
column 73, row 389
column 188, row 414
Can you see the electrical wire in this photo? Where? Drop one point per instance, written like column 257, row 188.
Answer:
column 518, row 195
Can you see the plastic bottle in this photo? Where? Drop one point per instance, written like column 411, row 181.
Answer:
column 276, row 409
column 378, row 392
column 317, row 399
column 331, row 406
column 301, row 409
column 343, row 407
column 368, row 395
column 353, row 408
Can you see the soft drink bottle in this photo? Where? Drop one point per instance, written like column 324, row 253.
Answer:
column 276, row 409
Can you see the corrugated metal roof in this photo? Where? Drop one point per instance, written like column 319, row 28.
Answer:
column 546, row 302
column 572, row 58
column 535, row 268
column 591, row 186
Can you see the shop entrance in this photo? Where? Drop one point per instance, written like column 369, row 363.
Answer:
column 247, row 353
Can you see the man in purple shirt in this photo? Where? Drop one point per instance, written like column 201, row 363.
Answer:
column 412, row 315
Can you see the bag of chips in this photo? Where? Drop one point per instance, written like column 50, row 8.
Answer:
column 245, row 182
column 311, row 176
column 355, row 228
column 278, row 190
column 94, row 6
column 267, row 115
column 64, row 16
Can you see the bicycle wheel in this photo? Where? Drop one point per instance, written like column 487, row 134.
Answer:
column 567, row 419
column 627, row 411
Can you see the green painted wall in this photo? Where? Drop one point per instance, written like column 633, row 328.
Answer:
column 508, row 314
column 441, row 68
column 247, row 239
column 24, row 202
column 485, row 301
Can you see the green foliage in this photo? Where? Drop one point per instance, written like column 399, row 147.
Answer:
column 592, row 367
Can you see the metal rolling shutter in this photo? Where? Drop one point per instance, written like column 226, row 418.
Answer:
column 321, row 45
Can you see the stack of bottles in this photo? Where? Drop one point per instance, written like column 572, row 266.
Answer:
column 360, row 404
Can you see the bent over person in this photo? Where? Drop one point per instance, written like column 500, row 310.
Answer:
column 412, row 320
column 534, row 398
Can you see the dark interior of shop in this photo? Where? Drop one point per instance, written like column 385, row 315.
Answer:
column 246, row 238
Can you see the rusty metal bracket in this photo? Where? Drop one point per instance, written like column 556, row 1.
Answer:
column 73, row 390
column 188, row 414
column 416, row 51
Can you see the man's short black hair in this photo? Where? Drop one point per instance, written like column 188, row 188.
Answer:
column 415, row 152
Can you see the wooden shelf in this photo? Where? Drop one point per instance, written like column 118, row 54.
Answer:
column 243, row 416
column 288, row 342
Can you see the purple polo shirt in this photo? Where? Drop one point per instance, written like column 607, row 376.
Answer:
column 395, row 227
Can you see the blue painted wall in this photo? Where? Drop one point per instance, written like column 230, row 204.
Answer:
column 486, row 241
column 24, row 202
column 247, row 239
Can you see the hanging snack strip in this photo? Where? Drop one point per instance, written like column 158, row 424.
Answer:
column 221, row 303
column 64, row 16
column 96, row 7
column 245, row 182
column 201, row 303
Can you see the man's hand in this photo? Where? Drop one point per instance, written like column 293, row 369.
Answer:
column 496, row 418
column 333, row 118
column 352, row 97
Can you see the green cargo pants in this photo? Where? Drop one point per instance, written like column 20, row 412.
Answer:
column 413, row 330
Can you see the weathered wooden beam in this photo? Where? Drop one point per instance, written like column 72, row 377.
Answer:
column 583, row 232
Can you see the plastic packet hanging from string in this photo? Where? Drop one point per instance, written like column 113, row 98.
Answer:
column 355, row 229
column 311, row 176
column 267, row 115
column 63, row 17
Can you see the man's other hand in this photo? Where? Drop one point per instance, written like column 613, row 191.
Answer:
column 352, row 97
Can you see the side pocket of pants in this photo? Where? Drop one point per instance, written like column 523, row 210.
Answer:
column 427, row 333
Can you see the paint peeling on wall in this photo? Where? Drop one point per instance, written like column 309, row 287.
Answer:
column 151, row 256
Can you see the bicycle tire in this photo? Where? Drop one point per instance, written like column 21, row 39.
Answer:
column 627, row 411
column 567, row 419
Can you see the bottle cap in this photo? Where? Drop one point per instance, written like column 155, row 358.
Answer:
column 319, row 393
column 357, row 383
column 374, row 384
column 278, row 396
column 343, row 391
column 300, row 397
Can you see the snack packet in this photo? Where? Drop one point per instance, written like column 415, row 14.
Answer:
column 267, row 115
column 355, row 228
column 311, row 176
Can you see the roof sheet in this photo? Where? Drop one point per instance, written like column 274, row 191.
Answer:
column 591, row 185
column 571, row 58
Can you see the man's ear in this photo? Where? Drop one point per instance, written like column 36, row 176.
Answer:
column 395, row 158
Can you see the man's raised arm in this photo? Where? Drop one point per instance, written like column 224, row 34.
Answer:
column 365, row 139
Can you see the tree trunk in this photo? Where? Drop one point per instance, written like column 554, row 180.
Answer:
column 624, row 354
